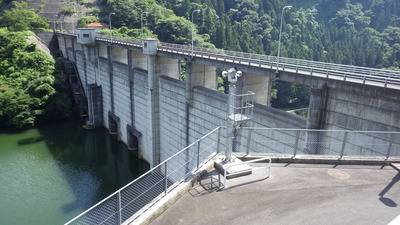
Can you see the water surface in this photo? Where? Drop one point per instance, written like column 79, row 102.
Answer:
column 50, row 174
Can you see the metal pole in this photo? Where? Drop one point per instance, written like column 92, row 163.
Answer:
column 389, row 152
column 197, row 10
column 141, row 20
column 280, row 37
column 62, row 16
column 109, row 19
column 198, row 153
column 344, row 144
column 166, row 180
column 119, row 208
column 72, row 24
column 230, row 130
column 54, row 22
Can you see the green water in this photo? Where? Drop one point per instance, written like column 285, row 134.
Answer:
column 50, row 174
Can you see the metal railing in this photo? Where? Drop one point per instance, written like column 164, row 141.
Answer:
column 241, row 106
column 337, row 143
column 364, row 75
column 126, row 204
column 246, row 162
column 356, row 74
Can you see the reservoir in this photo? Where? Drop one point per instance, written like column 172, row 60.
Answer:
column 50, row 174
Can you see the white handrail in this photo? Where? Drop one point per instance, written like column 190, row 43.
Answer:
column 246, row 162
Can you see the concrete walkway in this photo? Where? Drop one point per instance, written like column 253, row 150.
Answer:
column 294, row 194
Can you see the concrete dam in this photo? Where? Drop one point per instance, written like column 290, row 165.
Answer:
column 133, row 88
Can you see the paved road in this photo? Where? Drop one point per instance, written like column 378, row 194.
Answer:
column 294, row 194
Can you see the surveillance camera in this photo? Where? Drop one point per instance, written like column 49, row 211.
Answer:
column 239, row 73
column 224, row 73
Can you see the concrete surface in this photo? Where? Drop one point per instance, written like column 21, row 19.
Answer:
column 294, row 194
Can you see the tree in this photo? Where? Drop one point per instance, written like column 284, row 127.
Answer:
column 21, row 18
column 28, row 87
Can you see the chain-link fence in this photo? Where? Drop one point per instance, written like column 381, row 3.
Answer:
column 317, row 142
column 129, row 202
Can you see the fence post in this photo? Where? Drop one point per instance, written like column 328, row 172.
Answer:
column 390, row 146
column 119, row 208
column 219, row 139
column 198, row 152
column 296, row 144
column 248, row 141
column 166, row 178
column 343, row 144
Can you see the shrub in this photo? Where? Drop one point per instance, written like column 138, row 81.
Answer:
column 67, row 10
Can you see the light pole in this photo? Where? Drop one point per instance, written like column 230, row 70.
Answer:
column 73, row 27
column 62, row 20
column 197, row 10
column 280, row 37
column 109, row 19
column 54, row 22
column 141, row 21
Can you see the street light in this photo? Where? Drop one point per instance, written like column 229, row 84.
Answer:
column 197, row 10
column 54, row 22
column 280, row 37
column 62, row 20
column 73, row 24
column 109, row 19
column 141, row 21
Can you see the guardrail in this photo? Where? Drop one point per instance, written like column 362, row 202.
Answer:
column 243, row 163
column 356, row 74
column 306, row 142
column 126, row 204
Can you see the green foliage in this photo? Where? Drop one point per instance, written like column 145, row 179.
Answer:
column 83, row 21
column 167, row 26
column 93, row 11
column 27, row 83
column 67, row 10
column 21, row 18
column 290, row 95
column 86, row 3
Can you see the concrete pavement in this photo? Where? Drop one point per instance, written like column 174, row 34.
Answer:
column 294, row 194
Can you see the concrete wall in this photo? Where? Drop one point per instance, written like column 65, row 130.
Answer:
column 355, row 111
column 172, row 116
column 143, row 93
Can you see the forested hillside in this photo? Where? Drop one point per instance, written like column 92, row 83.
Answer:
column 30, row 91
column 356, row 32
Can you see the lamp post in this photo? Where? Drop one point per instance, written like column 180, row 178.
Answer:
column 280, row 37
column 109, row 19
column 72, row 24
column 197, row 10
column 141, row 21
column 54, row 22
column 62, row 20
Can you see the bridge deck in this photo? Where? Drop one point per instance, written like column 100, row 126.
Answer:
column 294, row 194
column 355, row 74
